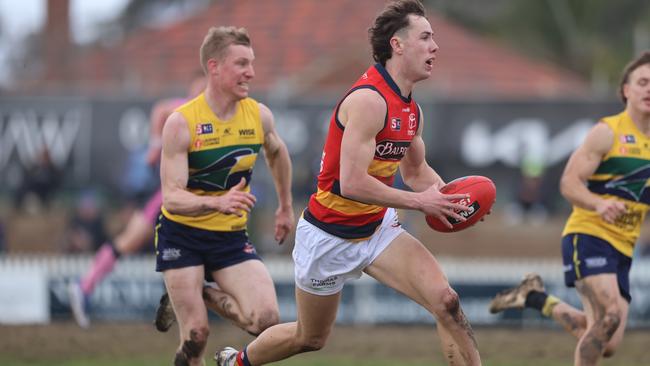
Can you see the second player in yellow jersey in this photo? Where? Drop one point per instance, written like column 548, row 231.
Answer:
column 210, row 146
column 606, row 181
column 221, row 153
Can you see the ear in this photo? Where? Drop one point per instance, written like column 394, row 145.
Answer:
column 397, row 45
column 213, row 66
column 626, row 88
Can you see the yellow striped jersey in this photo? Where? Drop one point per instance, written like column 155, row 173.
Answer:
column 220, row 154
column 623, row 175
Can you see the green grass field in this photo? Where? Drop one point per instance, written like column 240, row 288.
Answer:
column 125, row 344
column 311, row 361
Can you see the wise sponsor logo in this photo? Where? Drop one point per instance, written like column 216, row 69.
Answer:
column 247, row 132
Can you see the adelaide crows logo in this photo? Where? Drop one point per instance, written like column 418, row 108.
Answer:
column 226, row 172
column 631, row 186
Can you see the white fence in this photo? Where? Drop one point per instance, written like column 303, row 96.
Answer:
column 33, row 289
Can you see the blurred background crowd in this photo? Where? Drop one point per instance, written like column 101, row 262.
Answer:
column 516, row 85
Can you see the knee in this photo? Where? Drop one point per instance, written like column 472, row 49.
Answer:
column 263, row 319
column 199, row 333
column 609, row 351
column 125, row 244
column 312, row 344
column 198, row 337
column 450, row 301
column 611, row 348
column 611, row 321
column 608, row 326
column 448, row 305
column 192, row 348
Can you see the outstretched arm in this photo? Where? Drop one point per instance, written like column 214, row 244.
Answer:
column 581, row 165
column 174, row 175
column 279, row 162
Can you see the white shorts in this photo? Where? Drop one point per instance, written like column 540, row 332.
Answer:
column 324, row 262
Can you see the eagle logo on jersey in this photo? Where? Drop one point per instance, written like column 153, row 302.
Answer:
column 631, row 186
column 225, row 172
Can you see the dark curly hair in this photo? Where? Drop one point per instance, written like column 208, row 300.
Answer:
column 633, row 65
column 392, row 19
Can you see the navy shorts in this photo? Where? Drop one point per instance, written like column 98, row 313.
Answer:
column 585, row 255
column 179, row 246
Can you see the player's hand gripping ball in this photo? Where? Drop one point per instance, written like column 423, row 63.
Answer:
column 482, row 194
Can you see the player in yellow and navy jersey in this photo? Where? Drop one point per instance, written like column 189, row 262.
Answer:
column 209, row 148
column 606, row 180
column 350, row 226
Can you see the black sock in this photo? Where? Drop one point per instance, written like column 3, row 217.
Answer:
column 536, row 300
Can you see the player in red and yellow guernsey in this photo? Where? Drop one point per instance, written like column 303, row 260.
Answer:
column 209, row 149
column 350, row 226
column 345, row 217
column 606, row 180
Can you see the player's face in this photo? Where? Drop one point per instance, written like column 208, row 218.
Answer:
column 419, row 48
column 637, row 90
column 235, row 71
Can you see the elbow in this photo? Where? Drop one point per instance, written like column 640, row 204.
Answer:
column 169, row 204
column 409, row 180
column 565, row 186
column 348, row 188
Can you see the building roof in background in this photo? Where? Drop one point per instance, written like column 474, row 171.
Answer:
column 312, row 47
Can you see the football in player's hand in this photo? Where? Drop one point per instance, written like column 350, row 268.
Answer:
column 482, row 194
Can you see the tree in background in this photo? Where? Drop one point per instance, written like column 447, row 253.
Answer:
column 592, row 37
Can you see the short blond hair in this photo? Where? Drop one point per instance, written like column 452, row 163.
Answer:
column 217, row 41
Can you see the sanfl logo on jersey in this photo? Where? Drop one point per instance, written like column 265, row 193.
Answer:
column 627, row 139
column 395, row 124
column 203, row 128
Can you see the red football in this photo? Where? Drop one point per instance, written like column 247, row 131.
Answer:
column 482, row 194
